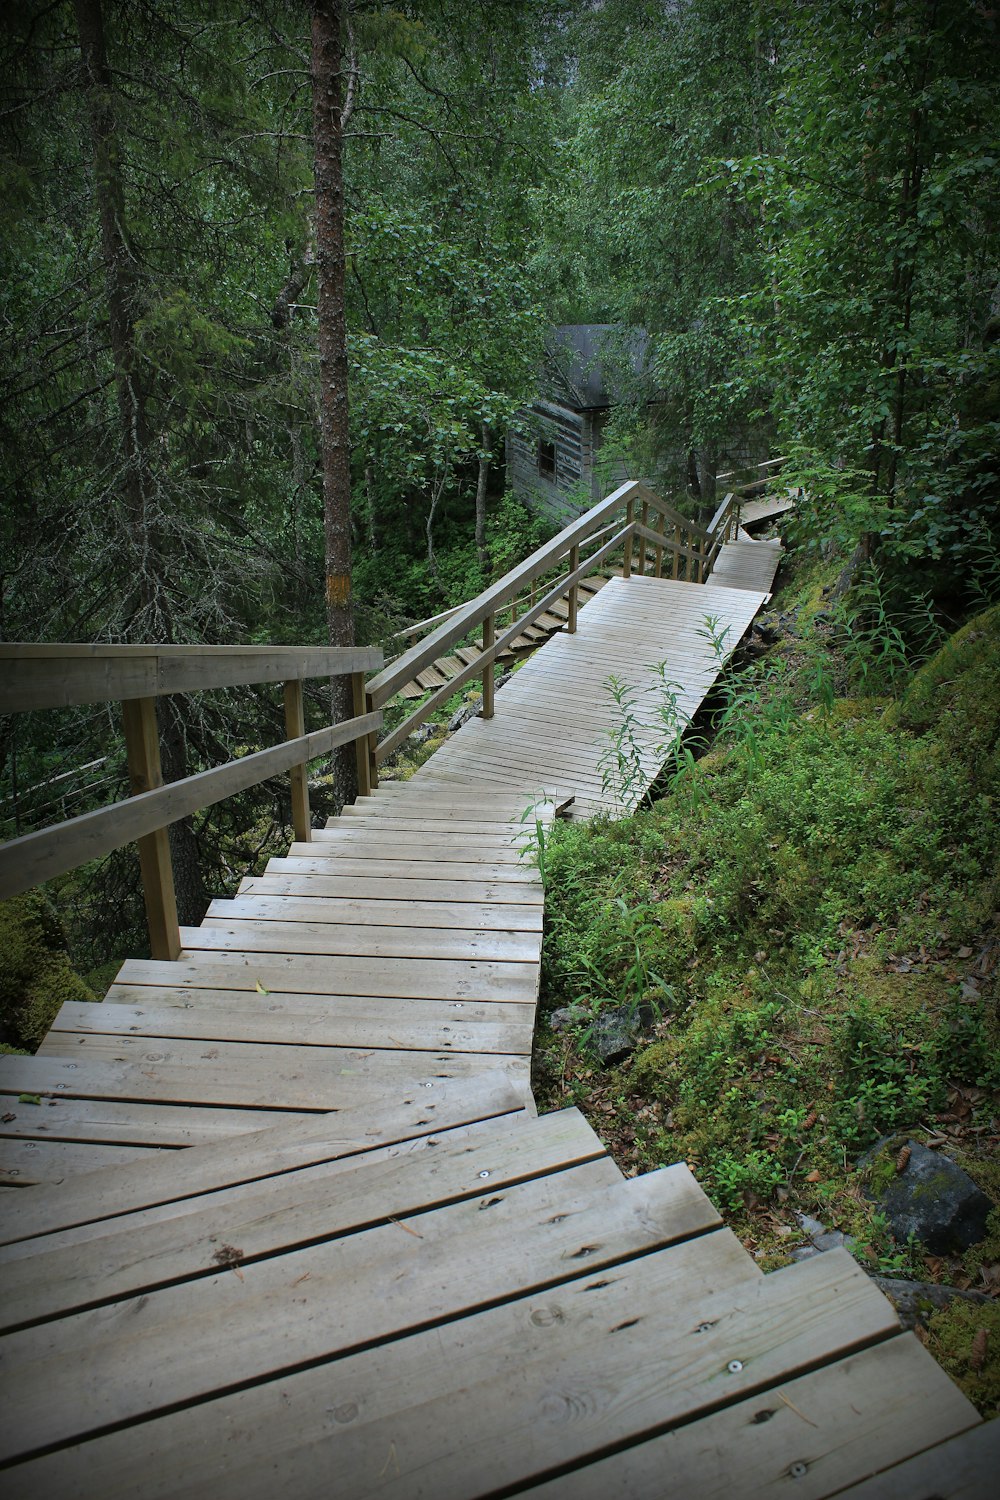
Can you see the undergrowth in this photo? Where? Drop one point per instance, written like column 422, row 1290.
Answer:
column 808, row 913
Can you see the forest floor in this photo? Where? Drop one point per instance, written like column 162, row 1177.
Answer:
column 800, row 929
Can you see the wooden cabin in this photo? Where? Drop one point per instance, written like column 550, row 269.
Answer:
column 552, row 453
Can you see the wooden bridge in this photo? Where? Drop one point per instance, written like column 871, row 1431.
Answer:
column 294, row 1227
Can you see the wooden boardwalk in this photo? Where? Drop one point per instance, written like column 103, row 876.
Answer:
column 298, row 1231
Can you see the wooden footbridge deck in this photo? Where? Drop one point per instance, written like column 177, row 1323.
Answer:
column 295, row 1227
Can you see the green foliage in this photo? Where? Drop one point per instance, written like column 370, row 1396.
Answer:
column 954, row 696
column 36, row 979
column 777, row 908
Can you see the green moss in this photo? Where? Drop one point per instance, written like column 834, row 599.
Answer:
column 954, row 696
column 951, row 1335
column 36, row 979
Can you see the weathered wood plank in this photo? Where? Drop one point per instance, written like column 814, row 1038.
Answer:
column 964, row 1469
column 385, row 913
column 543, row 1381
column 241, row 1073
column 25, row 1163
column 60, row 676
column 419, row 978
column 358, row 869
column 124, row 1258
column 392, row 890
column 303, row 937
column 821, row 1432
column 114, row 1121
column 418, row 1025
column 225, row 1329
column 407, row 1112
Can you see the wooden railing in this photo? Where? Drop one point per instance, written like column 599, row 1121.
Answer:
column 634, row 521
column 40, row 677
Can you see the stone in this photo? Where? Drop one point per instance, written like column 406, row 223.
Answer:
column 568, row 1015
column 820, row 1238
column 467, row 711
column 613, row 1036
column 915, row 1301
column 932, row 1199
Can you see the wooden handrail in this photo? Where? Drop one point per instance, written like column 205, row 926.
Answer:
column 681, row 538
column 57, row 676
column 34, row 857
column 474, row 668
column 62, row 676
column 405, row 667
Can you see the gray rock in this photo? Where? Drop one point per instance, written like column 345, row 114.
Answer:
column 915, row 1301
column 931, row 1199
column 467, row 711
column 568, row 1015
column 424, row 732
column 820, row 1239
column 613, row 1037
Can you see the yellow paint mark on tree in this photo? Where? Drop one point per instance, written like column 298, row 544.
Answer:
column 338, row 590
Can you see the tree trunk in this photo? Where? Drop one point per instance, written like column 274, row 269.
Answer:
column 481, row 479
column 151, row 615
column 327, row 93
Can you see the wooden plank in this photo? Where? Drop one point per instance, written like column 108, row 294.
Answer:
column 965, row 1468
column 369, row 1389
column 35, row 857
column 48, row 1278
column 453, row 849
column 421, row 979
column 60, row 676
column 384, row 888
column 823, row 1431
column 69, row 1378
column 241, row 1073
column 304, row 937
column 25, row 1163
column 407, row 1112
column 113, row 1121
column 540, row 1382
column 413, row 913
column 420, row 1025
column 359, row 870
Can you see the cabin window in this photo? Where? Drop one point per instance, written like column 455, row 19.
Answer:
column 547, row 460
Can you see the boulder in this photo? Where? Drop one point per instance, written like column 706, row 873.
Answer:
column 931, row 1199
column 614, row 1034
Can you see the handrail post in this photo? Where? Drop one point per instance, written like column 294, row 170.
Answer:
column 658, row 562
column 295, row 728
column 643, row 521
column 675, row 566
column 573, row 599
column 489, row 639
column 364, row 748
column 699, row 566
column 629, row 521
column 142, row 746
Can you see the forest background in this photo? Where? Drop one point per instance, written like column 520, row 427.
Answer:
column 799, row 203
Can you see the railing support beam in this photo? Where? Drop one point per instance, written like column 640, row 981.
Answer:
column 142, row 746
column 295, row 728
column 489, row 680
column 573, row 598
column 364, row 749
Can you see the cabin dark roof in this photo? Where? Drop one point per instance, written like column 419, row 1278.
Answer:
column 592, row 365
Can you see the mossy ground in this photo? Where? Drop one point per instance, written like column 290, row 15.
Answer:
column 36, row 978
column 811, row 909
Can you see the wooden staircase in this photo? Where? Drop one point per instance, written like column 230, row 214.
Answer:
column 445, row 668
column 297, row 1229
